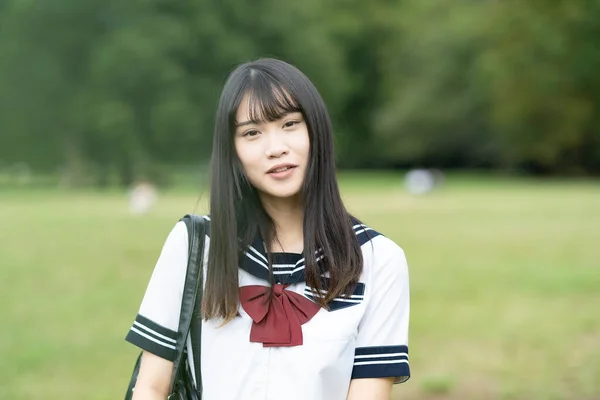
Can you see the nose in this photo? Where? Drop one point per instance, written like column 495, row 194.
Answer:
column 276, row 146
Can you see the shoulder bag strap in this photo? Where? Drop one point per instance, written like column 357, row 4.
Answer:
column 196, row 326
column 193, row 279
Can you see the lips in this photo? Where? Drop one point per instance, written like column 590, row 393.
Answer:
column 281, row 168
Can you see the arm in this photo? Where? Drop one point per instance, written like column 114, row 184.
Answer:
column 370, row 389
column 155, row 327
column 381, row 352
column 154, row 378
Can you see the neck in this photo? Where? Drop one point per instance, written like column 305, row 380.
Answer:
column 288, row 216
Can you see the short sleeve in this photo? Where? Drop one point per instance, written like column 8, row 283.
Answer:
column 156, row 324
column 382, row 340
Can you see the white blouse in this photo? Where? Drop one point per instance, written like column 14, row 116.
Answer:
column 361, row 336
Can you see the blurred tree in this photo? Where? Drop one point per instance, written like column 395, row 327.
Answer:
column 125, row 86
column 434, row 110
column 110, row 89
column 541, row 67
column 47, row 46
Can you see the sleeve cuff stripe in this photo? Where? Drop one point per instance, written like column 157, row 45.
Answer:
column 157, row 341
column 383, row 351
column 381, row 362
column 147, row 344
column 153, row 326
column 399, row 355
column 399, row 370
column 153, row 332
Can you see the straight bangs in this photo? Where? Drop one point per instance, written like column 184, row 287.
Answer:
column 268, row 100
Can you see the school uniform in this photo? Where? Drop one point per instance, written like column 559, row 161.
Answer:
column 302, row 351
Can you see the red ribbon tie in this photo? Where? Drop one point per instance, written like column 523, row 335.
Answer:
column 277, row 321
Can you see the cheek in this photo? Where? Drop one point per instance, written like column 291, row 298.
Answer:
column 304, row 145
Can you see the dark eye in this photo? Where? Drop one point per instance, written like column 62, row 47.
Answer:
column 289, row 124
column 251, row 133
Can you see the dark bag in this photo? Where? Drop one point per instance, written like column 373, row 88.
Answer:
column 182, row 382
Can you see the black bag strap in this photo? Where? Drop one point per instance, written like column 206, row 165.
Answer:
column 196, row 328
column 193, row 283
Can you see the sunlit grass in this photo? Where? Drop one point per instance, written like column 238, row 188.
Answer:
column 505, row 280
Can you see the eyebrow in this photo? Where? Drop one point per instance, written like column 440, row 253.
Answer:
column 250, row 122
column 257, row 122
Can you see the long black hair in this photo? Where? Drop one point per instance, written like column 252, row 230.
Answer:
column 237, row 214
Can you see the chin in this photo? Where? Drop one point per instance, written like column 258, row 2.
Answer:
column 281, row 193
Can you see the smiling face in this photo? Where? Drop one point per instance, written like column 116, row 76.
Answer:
column 274, row 154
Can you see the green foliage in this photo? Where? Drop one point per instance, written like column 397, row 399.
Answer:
column 101, row 87
column 434, row 108
column 539, row 65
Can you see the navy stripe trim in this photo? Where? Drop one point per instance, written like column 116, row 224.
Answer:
column 366, row 236
column 363, row 232
column 254, row 268
column 399, row 371
column 376, row 350
column 153, row 338
column 254, row 259
column 299, row 275
column 286, row 258
column 359, row 289
column 339, row 303
column 382, row 362
column 156, row 327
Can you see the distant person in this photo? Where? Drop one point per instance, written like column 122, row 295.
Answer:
column 335, row 292
column 142, row 198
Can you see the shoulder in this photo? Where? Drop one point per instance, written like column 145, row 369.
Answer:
column 388, row 260
column 173, row 256
column 177, row 241
column 178, row 236
column 171, row 266
column 179, row 233
column 381, row 254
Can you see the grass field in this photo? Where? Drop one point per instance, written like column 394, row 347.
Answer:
column 505, row 286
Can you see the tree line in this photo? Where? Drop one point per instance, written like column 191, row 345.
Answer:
column 104, row 87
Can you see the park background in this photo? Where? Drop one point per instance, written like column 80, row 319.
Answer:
column 501, row 98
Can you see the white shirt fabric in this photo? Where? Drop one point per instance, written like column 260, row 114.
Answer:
column 364, row 336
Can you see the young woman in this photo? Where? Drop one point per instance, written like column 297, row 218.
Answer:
column 301, row 300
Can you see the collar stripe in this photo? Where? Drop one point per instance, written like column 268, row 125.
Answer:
column 255, row 261
column 250, row 256
column 258, row 254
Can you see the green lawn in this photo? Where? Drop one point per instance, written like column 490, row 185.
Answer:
column 505, row 281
